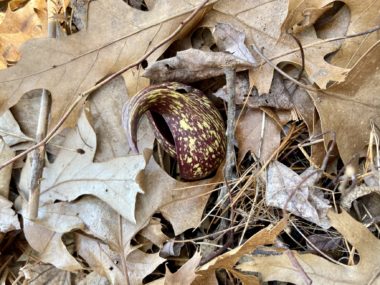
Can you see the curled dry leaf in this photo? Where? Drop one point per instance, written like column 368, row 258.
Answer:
column 193, row 65
column 69, row 66
column 186, row 124
column 319, row 269
column 186, row 274
column 285, row 188
column 74, row 174
column 229, row 259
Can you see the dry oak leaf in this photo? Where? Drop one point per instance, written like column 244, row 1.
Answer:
column 38, row 273
column 73, row 173
column 262, row 23
column 68, row 66
column 229, row 259
column 21, row 25
column 319, row 269
column 364, row 15
column 349, row 108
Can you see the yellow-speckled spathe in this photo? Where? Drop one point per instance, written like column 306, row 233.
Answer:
column 197, row 129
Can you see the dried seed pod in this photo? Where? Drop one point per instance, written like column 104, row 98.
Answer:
column 185, row 123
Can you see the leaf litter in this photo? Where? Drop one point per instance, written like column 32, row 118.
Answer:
column 106, row 216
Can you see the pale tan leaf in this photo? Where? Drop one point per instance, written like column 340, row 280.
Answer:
column 319, row 269
column 74, row 174
column 5, row 174
column 49, row 245
column 285, row 188
column 349, row 108
column 8, row 218
column 68, row 66
column 186, row 274
column 94, row 278
column 10, row 130
column 153, row 232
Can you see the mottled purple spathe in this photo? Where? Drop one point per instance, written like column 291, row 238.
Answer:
column 185, row 123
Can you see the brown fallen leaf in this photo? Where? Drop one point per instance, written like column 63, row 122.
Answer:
column 73, row 174
column 285, row 188
column 21, row 25
column 193, row 65
column 348, row 108
column 319, row 269
column 229, row 259
column 70, row 65
column 249, row 135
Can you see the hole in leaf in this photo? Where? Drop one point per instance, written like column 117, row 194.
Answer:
column 144, row 64
column 140, row 4
column 80, row 151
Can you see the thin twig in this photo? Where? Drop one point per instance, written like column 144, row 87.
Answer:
column 38, row 155
column 101, row 83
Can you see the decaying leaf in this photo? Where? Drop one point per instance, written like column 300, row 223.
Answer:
column 231, row 40
column 74, row 174
column 104, row 261
column 193, row 65
column 45, row 274
column 285, row 188
column 348, row 108
column 68, row 66
column 8, row 218
column 319, row 269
